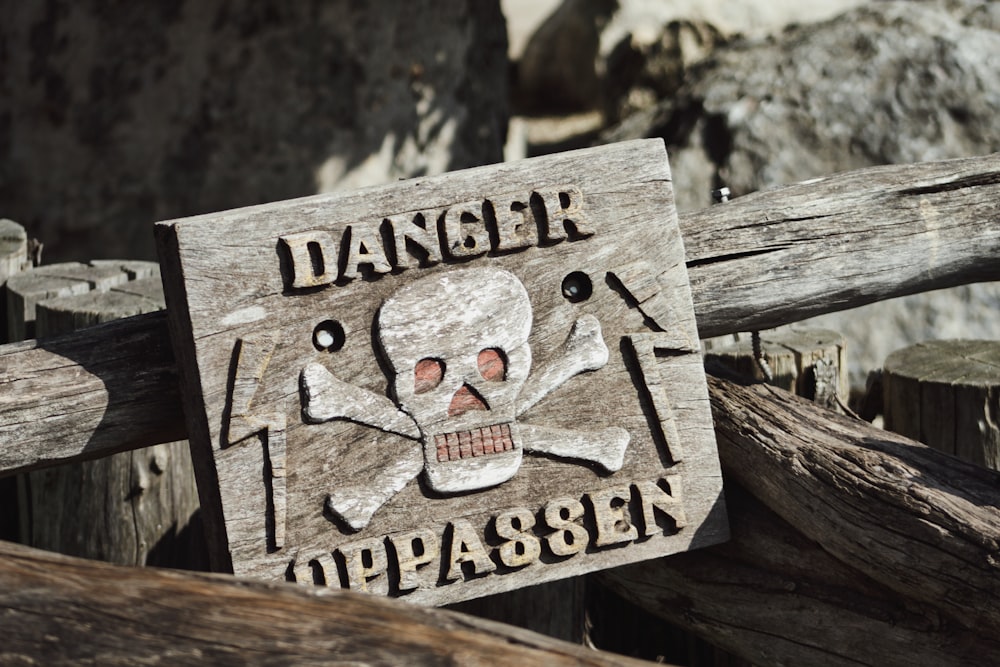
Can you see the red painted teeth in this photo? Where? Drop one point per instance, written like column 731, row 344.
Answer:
column 477, row 442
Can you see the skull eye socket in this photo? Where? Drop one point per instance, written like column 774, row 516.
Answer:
column 492, row 364
column 428, row 374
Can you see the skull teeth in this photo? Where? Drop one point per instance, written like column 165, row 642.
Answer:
column 477, row 442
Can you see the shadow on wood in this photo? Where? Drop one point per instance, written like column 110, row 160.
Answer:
column 850, row 544
column 59, row 610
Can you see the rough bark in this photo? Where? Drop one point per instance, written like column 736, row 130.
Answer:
column 775, row 597
column 922, row 523
column 58, row 610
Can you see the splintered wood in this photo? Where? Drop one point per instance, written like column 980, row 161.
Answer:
column 433, row 391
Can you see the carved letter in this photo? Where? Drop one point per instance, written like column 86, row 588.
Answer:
column 465, row 230
column 314, row 258
column 365, row 248
column 405, row 545
column 366, row 560
column 304, row 569
column 609, row 515
column 406, row 226
column 521, row 548
column 466, row 548
column 516, row 226
column 569, row 537
column 564, row 213
column 651, row 495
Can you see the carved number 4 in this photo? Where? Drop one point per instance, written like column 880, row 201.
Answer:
column 253, row 355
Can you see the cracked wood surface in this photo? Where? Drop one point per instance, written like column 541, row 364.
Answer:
column 769, row 258
column 887, row 546
column 59, row 610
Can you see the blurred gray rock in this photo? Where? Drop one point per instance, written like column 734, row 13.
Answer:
column 895, row 82
column 890, row 83
column 117, row 114
column 591, row 54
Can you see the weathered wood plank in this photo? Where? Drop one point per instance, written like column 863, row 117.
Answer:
column 758, row 261
column 105, row 389
column 58, row 610
column 458, row 416
column 779, row 256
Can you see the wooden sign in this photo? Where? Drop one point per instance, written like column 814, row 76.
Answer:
column 451, row 386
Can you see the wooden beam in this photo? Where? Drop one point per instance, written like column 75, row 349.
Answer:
column 850, row 545
column 769, row 258
column 773, row 596
column 88, row 394
column 779, row 256
column 58, row 610
column 923, row 523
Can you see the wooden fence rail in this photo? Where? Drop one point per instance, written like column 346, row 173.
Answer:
column 57, row 610
column 766, row 259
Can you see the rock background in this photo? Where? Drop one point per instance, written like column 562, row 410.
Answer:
column 116, row 114
column 780, row 97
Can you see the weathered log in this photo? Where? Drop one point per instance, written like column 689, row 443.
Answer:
column 86, row 395
column 58, row 610
column 13, row 259
column 773, row 596
column 924, row 524
column 886, row 555
column 779, row 256
column 762, row 260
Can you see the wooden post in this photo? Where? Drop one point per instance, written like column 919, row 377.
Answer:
column 133, row 508
column 946, row 394
column 555, row 608
column 13, row 260
column 811, row 363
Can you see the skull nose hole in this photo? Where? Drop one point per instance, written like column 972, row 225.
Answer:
column 464, row 400
column 427, row 374
column 492, row 364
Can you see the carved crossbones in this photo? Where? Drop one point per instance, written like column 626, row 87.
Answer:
column 458, row 347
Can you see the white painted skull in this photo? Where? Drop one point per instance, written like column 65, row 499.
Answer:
column 458, row 347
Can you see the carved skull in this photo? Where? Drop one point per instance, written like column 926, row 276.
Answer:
column 458, row 347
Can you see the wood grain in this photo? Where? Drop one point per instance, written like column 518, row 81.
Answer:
column 130, row 508
column 923, row 523
column 378, row 449
column 775, row 597
column 58, row 610
column 108, row 388
column 769, row 258
column 945, row 394
column 779, row 256
column 806, row 361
